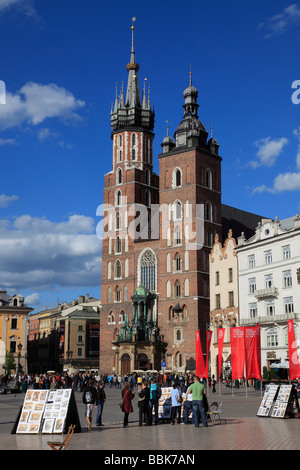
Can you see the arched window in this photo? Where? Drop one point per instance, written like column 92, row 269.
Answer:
column 118, row 269
column 118, row 294
column 119, row 176
column 125, row 292
column 208, row 179
column 148, row 177
column 177, row 289
column 177, row 236
column 178, row 335
column 177, row 178
column 118, row 197
column 118, row 246
column 177, row 210
column 208, row 211
column 147, row 267
column 118, row 221
column 177, row 262
column 147, row 198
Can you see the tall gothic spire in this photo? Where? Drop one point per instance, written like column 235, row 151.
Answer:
column 140, row 114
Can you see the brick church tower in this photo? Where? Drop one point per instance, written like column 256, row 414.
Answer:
column 158, row 232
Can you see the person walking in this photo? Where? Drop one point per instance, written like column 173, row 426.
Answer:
column 176, row 398
column 101, row 399
column 198, row 392
column 213, row 382
column 127, row 397
column 89, row 398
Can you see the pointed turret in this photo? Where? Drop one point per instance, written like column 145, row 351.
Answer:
column 132, row 112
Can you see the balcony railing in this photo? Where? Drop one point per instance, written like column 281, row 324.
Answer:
column 270, row 319
column 266, row 293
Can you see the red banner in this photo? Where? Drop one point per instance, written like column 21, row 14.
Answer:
column 208, row 341
column 200, row 366
column 221, row 333
column 237, row 352
column 293, row 352
column 253, row 352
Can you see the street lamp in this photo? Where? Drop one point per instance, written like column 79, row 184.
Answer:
column 20, row 346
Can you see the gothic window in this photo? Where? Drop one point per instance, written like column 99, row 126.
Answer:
column 148, row 177
column 118, row 221
column 125, row 292
column 208, row 211
column 147, row 198
column 119, row 176
column 117, row 294
column 118, row 247
column 148, row 270
column 208, row 179
column 177, row 178
column 177, row 289
column 118, row 198
column 177, row 210
column 177, row 236
column 118, row 269
column 177, row 262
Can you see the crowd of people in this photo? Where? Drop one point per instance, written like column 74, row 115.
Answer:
column 188, row 394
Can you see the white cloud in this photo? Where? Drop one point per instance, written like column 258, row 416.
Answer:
column 5, row 201
column 279, row 24
column 7, row 142
column 32, row 299
column 35, row 103
column 282, row 182
column 38, row 254
column 24, row 6
column 269, row 151
column 8, row 3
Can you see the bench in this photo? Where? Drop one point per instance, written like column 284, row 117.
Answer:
column 64, row 444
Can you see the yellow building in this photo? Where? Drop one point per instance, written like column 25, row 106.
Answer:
column 13, row 328
column 224, row 309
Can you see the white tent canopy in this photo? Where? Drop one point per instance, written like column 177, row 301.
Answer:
column 280, row 365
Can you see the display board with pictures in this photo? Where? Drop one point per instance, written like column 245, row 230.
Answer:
column 282, row 401
column 268, row 400
column 165, row 403
column 44, row 411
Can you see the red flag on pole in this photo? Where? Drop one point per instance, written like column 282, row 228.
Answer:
column 293, row 352
column 237, row 352
column 208, row 341
column 200, row 366
column 253, row 353
column 221, row 333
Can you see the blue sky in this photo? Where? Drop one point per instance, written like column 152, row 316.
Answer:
column 60, row 61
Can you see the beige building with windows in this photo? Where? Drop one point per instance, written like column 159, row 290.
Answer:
column 224, row 310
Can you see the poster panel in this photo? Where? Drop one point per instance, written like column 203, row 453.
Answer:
column 200, row 366
column 237, row 352
column 252, row 352
column 221, row 333
column 294, row 366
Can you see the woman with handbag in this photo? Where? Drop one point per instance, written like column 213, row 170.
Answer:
column 126, row 405
column 176, row 403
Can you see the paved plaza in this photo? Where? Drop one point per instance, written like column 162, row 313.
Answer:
column 240, row 429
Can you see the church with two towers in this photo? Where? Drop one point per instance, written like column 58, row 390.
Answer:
column 158, row 230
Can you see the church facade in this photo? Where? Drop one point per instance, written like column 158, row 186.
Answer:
column 158, row 230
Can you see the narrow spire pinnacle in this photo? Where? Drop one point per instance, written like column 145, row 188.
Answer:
column 190, row 74
column 212, row 130
column 167, row 128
